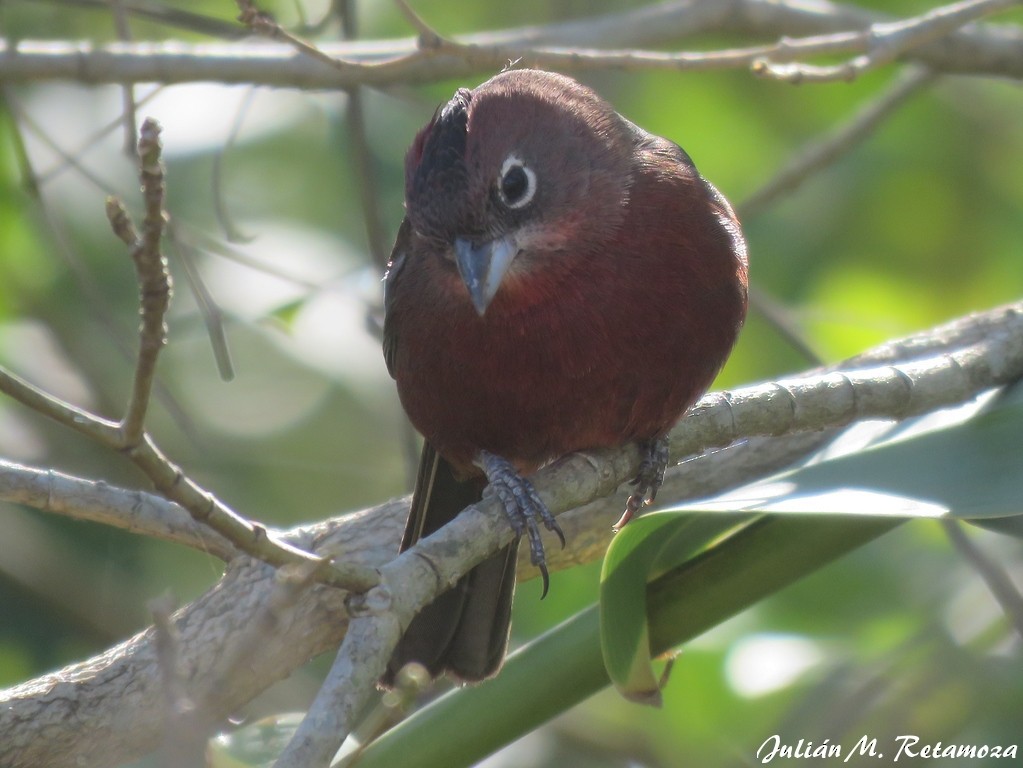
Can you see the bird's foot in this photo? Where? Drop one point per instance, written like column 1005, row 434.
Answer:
column 648, row 480
column 522, row 506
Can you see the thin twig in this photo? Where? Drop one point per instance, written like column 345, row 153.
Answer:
column 209, row 310
column 70, row 159
column 263, row 24
column 811, row 159
column 154, row 283
column 35, row 183
column 567, row 46
column 191, row 237
column 162, row 14
column 173, row 484
column 366, row 181
column 127, row 90
column 428, row 36
column 67, row 159
column 885, row 42
column 780, row 317
column 840, row 140
column 129, row 436
column 231, row 231
column 1001, row 586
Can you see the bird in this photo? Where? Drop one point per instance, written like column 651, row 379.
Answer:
column 562, row 281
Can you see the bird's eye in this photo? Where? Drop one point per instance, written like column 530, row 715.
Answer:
column 517, row 184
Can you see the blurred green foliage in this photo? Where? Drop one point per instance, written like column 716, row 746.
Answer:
column 921, row 223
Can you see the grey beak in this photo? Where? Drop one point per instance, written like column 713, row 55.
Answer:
column 483, row 267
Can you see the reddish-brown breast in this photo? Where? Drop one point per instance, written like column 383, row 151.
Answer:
column 623, row 301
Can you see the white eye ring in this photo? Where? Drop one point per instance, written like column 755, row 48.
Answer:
column 509, row 186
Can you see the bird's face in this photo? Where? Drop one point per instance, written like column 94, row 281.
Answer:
column 510, row 176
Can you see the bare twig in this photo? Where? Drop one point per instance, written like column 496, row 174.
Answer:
column 127, row 90
column 209, row 310
column 169, row 480
column 366, row 179
column 35, row 183
column 1004, row 591
column 781, row 319
column 804, row 30
column 129, row 436
column 133, row 511
column 67, row 159
column 263, row 24
column 826, row 149
column 231, row 231
column 162, row 14
column 428, row 36
column 154, row 283
column 883, row 43
column 191, row 237
column 70, row 159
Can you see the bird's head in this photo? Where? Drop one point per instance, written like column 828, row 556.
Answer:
column 523, row 169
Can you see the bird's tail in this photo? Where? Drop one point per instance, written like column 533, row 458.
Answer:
column 465, row 630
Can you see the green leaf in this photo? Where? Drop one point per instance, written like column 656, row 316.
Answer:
column 965, row 463
column 644, row 549
column 285, row 314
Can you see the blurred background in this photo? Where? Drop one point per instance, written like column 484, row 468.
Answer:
column 920, row 223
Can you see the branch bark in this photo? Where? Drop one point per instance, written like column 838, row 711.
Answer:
column 605, row 42
column 109, row 708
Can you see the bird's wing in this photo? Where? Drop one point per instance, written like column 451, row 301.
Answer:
column 391, row 278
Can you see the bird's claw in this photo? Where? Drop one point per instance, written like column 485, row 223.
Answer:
column 523, row 507
column 648, row 479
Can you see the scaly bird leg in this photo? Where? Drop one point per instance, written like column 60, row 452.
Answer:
column 649, row 478
column 522, row 506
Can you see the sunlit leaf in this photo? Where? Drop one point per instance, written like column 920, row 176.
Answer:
column 964, row 462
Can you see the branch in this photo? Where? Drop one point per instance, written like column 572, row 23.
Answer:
column 883, row 43
column 568, row 47
column 808, row 403
column 133, row 511
column 825, row 150
column 128, row 435
column 109, row 708
column 153, row 279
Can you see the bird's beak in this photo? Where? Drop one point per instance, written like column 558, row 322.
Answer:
column 483, row 266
